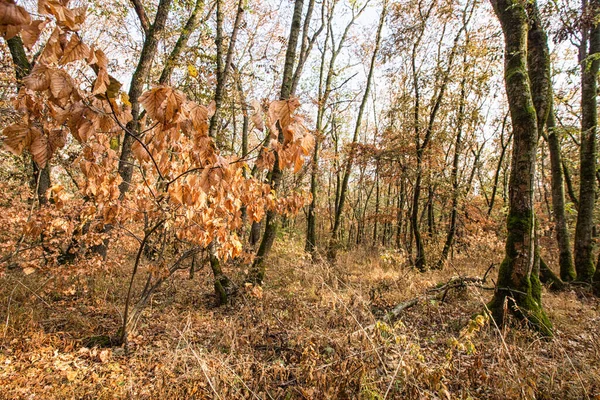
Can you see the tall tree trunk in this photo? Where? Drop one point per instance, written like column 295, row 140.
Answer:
column 455, row 163
column 421, row 146
column 136, row 88
column 565, row 258
column 357, row 127
column 503, row 147
column 257, row 273
column 222, row 284
column 223, row 68
column 539, row 70
column 189, row 27
column 584, row 246
column 518, row 285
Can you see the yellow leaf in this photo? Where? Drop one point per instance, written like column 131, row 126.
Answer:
column 71, row 375
column 192, row 71
column 125, row 99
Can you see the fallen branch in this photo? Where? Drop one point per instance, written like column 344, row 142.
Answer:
column 437, row 292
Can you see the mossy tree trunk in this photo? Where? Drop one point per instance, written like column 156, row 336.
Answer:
column 518, row 285
column 565, row 258
column 539, row 67
column 588, row 51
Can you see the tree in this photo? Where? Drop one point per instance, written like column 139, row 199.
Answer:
column 589, row 49
column 136, row 87
column 341, row 199
column 259, row 266
column 518, row 285
column 540, row 77
column 324, row 92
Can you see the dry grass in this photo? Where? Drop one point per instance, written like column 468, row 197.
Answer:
column 309, row 335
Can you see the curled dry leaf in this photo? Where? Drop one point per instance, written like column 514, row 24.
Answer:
column 12, row 14
column 12, row 18
column 39, row 148
column 38, row 79
column 281, row 111
column 60, row 85
column 52, row 50
column 162, row 103
column 31, row 33
column 66, row 18
column 17, row 138
column 257, row 116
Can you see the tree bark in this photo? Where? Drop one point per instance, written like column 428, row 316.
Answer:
column 189, row 27
column 223, row 286
column 136, row 88
column 257, row 273
column 503, row 147
column 565, row 259
column 584, row 246
column 518, row 286
column 223, row 69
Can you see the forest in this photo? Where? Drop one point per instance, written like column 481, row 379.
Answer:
column 299, row 199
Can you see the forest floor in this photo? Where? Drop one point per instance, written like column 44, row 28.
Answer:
column 310, row 332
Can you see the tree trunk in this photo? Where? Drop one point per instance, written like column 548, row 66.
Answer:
column 518, row 285
column 455, row 163
column 257, row 273
column 584, row 246
column 136, row 88
column 189, row 27
column 331, row 253
column 222, row 284
column 541, row 87
column 565, row 260
column 503, row 146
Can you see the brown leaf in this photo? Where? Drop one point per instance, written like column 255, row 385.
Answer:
column 12, row 14
column 40, row 149
column 38, row 79
column 101, row 83
column 212, row 107
column 98, row 58
column 60, row 84
column 199, row 116
column 75, row 50
column 140, row 152
column 257, row 116
column 162, row 103
column 52, row 50
column 17, row 138
column 281, row 110
column 31, row 33
column 69, row 19
column 57, row 139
